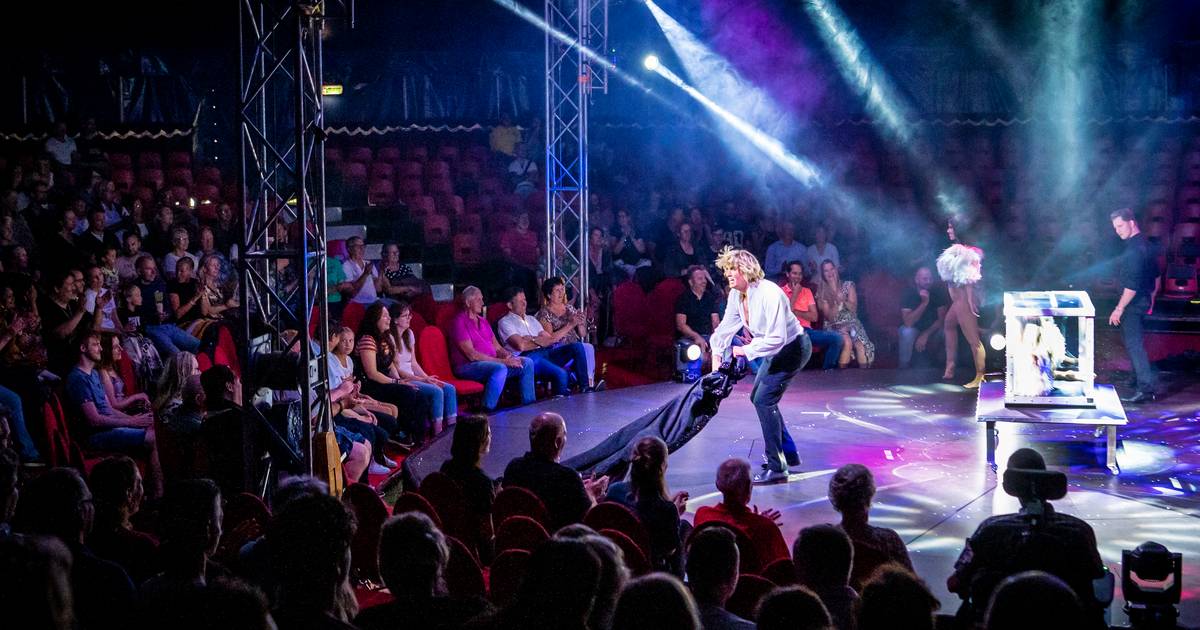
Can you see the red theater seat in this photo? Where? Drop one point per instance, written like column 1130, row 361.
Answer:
column 361, row 155
column 390, row 155
column 435, row 358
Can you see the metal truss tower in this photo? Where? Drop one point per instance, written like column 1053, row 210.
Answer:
column 282, row 249
column 571, row 79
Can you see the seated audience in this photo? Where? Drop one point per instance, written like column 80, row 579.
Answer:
column 823, row 556
column 524, row 335
column 190, row 522
column 646, row 493
column 127, row 261
column 804, row 307
column 376, row 370
column 613, row 572
column 309, row 548
column 35, row 588
column 682, row 253
column 895, row 598
column 1036, row 538
column 733, row 482
column 154, row 316
column 472, row 440
column 110, row 429
column 342, row 370
column 522, row 172
column 412, row 559
column 838, row 302
column 820, row 251
column 114, row 385
column 96, row 239
column 59, row 504
column 362, row 275
column 850, row 491
column 657, row 600
column 138, row 346
column 183, row 294
column 180, row 242
column 1033, row 600
column 399, row 281
column 441, row 396
column 63, row 318
column 565, row 322
column 786, row 249
column 629, row 249
column 478, row 356
column 698, row 310
column 99, row 302
column 504, row 136
column 712, row 572
column 923, row 309
column 116, row 485
column 558, row 590
column 567, row 497
column 793, row 608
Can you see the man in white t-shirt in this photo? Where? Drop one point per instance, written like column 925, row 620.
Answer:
column 61, row 146
column 786, row 249
column 361, row 273
column 524, row 335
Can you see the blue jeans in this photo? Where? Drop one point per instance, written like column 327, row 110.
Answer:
column 119, row 439
column 443, row 400
column 170, row 339
column 494, row 374
column 831, row 341
column 16, row 421
column 1133, row 334
column 552, row 364
column 770, row 382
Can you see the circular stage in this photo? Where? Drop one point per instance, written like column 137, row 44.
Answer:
column 927, row 452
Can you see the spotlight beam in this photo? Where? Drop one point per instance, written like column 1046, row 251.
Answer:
column 798, row 168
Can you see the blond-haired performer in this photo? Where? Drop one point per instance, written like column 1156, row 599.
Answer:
column 776, row 337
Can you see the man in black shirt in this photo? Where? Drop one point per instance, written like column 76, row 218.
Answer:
column 1139, row 279
column 696, row 311
column 922, row 310
column 1059, row 544
column 155, row 312
column 567, row 497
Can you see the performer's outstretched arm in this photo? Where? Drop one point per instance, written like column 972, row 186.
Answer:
column 731, row 323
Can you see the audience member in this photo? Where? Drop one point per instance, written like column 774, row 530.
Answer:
column 804, row 307
column 613, row 572
column 309, row 547
column 35, row 586
column 412, row 560
column 558, row 590
column 223, row 434
column 191, row 517
column 97, row 237
column 697, row 311
column 657, row 600
column 63, row 318
column 364, row 278
column 712, row 572
column 61, row 146
column 117, row 492
column 225, row 603
column 646, row 493
column 570, row 325
column 519, row 244
column 376, row 370
column 59, row 504
column 895, row 598
column 524, row 335
column 441, row 396
column 682, row 253
column 1033, row 600
column 838, row 301
column 733, row 482
column 820, row 251
column 793, row 608
column 154, row 315
column 472, row 440
column 504, row 136
column 399, row 281
column 1036, row 538
column 786, row 249
column 522, row 172
column 478, row 356
column 628, row 247
column 127, row 262
column 923, row 310
column 823, row 556
column 567, row 497
column 99, row 303
column 850, row 491
column 111, row 430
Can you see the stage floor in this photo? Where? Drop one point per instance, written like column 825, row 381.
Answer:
column 927, row 452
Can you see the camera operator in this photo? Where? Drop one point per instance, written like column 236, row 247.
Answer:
column 1035, row 539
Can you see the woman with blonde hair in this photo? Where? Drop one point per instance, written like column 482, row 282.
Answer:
column 178, row 369
column 838, row 301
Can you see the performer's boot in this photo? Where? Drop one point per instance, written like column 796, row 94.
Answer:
column 980, row 357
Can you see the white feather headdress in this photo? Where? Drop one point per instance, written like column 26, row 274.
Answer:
column 959, row 264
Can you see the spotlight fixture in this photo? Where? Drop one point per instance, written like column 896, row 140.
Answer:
column 687, row 361
column 651, row 62
column 998, row 342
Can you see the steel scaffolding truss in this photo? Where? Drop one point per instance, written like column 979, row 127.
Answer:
column 282, row 249
column 571, row 78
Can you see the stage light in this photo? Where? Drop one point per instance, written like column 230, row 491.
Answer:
column 651, row 62
column 687, row 361
column 693, row 352
column 998, row 342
